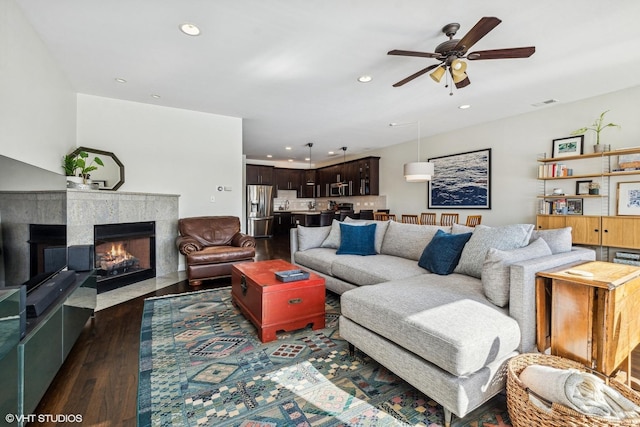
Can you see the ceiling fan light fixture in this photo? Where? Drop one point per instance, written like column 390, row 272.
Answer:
column 438, row 73
column 418, row 171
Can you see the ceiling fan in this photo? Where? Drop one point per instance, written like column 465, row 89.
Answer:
column 451, row 53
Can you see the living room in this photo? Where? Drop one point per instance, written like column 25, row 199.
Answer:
column 171, row 150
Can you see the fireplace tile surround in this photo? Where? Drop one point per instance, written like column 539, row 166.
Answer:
column 80, row 210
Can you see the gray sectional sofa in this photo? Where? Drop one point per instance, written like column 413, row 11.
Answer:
column 448, row 334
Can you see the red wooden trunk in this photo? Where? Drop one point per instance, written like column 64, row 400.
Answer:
column 272, row 305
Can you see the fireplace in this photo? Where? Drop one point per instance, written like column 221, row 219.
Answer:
column 124, row 253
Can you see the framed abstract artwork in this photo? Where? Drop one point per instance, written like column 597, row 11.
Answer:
column 570, row 146
column 629, row 198
column 461, row 181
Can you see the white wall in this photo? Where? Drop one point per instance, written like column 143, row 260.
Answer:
column 515, row 143
column 37, row 102
column 169, row 151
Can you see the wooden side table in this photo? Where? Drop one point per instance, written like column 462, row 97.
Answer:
column 594, row 320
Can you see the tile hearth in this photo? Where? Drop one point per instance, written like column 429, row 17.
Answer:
column 126, row 293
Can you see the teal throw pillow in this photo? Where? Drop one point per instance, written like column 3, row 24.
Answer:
column 443, row 252
column 357, row 239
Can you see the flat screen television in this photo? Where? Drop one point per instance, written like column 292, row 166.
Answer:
column 31, row 198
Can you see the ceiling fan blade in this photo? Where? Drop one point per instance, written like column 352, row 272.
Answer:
column 516, row 52
column 481, row 29
column 415, row 75
column 412, row 53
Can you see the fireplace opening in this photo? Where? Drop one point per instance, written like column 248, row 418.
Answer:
column 124, row 254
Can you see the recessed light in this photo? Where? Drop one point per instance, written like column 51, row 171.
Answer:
column 120, row 80
column 190, row 29
column 464, row 107
column 306, row 159
column 287, row 148
column 269, row 156
column 331, row 153
column 365, row 79
column 291, row 160
column 155, row 96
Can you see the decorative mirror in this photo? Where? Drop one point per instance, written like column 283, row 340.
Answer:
column 111, row 175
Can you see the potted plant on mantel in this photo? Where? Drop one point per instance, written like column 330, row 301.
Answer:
column 597, row 126
column 77, row 169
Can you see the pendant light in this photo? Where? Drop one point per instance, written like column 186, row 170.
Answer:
column 417, row 171
column 344, row 165
column 310, row 176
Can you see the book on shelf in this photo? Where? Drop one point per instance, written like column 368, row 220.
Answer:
column 553, row 170
column 628, row 255
column 627, row 261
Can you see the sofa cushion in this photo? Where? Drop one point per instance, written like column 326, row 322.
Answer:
column 504, row 238
column 311, row 237
column 381, row 229
column 496, row 274
column 318, row 259
column 408, row 240
column 374, row 269
column 333, row 239
column 357, row 239
column 442, row 253
column 444, row 319
column 558, row 239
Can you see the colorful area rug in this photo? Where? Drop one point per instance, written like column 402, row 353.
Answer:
column 202, row 364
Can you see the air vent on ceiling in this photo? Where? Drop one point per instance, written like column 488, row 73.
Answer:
column 547, row 102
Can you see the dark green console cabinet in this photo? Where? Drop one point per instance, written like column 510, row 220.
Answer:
column 31, row 365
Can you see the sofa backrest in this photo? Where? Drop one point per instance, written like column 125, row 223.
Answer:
column 409, row 240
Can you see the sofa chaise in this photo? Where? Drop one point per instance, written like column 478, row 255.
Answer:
column 442, row 307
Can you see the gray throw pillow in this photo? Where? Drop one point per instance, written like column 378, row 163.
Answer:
column 558, row 239
column 311, row 237
column 333, row 239
column 461, row 229
column 496, row 273
column 505, row 238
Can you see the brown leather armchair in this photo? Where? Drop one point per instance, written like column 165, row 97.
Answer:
column 211, row 245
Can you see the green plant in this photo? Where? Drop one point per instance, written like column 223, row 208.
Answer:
column 597, row 126
column 72, row 163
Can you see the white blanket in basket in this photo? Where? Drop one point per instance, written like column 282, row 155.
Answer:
column 580, row 391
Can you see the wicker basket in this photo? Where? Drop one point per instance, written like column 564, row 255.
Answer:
column 523, row 413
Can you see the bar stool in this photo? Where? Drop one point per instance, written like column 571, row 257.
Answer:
column 449, row 218
column 473, row 220
column 409, row 219
column 428, row 218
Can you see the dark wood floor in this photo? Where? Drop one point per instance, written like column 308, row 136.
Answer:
column 99, row 379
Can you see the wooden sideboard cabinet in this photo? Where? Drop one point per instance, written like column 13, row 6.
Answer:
column 621, row 231
column 585, row 229
column 592, row 320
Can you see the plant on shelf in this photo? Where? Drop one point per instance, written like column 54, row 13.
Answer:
column 75, row 165
column 597, row 126
column 594, row 187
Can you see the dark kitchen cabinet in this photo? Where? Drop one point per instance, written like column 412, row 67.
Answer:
column 289, row 179
column 368, row 176
column 283, row 221
column 259, row 175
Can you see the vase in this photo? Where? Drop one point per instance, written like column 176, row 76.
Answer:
column 594, row 191
column 598, row 148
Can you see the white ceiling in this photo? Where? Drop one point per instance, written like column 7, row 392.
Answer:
column 289, row 68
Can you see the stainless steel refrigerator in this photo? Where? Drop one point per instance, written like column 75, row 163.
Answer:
column 260, row 210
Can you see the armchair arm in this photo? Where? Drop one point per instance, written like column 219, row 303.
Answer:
column 187, row 245
column 243, row 240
